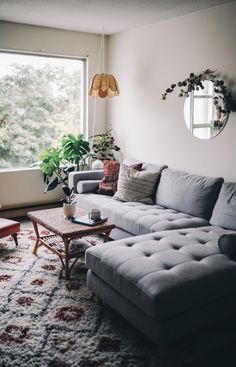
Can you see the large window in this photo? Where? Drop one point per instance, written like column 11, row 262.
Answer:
column 41, row 99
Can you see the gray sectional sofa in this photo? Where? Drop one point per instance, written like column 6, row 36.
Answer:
column 165, row 272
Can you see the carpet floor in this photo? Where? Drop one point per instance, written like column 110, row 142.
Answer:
column 48, row 321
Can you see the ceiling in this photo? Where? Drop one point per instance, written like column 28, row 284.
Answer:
column 94, row 15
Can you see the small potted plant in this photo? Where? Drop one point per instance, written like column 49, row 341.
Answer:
column 103, row 148
column 69, row 205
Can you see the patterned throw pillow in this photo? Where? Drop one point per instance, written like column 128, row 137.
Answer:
column 108, row 185
column 136, row 185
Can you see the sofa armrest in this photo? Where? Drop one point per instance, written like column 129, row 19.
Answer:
column 75, row 177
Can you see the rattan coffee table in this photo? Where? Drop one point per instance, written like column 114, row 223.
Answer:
column 63, row 232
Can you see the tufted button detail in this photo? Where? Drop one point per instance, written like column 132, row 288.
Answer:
column 157, row 238
column 195, row 258
column 130, row 244
column 166, row 267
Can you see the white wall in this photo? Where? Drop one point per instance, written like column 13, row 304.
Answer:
column 146, row 61
column 22, row 188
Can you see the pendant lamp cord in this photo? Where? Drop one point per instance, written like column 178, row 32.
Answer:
column 101, row 55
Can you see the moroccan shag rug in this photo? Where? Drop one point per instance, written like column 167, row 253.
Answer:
column 48, row 321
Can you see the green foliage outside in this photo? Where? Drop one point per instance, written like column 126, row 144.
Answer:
column 37, row 108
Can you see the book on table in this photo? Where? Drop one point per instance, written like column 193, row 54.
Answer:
column 86, row 221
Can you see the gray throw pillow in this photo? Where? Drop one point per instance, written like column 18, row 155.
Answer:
column 224, row 213
column 135, row 185
column 227, row 245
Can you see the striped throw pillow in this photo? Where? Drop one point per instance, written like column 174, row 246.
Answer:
column 136, row 185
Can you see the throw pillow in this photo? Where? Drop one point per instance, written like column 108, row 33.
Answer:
column 227, row 245
column 136, row 185
column 108, row 185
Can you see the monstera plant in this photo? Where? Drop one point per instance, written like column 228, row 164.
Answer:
column 57, row 163
column 75, row 149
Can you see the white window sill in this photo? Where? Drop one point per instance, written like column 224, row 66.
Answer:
column 22, row 169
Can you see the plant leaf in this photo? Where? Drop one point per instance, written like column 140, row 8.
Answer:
column 52, row 185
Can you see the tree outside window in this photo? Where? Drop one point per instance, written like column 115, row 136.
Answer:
column 40, row 102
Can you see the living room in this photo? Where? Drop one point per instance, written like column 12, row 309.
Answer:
column 146, row 56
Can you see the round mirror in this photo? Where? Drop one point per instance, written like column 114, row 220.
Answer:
column 201, row 114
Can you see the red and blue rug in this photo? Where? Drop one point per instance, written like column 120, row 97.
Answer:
column 47, row 321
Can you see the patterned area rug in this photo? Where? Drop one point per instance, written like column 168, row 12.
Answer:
column 47, row 321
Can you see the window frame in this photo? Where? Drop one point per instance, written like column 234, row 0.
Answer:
column 193, row 96
column 84, row 89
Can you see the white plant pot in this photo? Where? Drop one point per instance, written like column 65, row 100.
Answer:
column 69, row 210
column 97, row 164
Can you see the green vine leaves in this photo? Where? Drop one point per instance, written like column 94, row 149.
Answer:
column 222, row 97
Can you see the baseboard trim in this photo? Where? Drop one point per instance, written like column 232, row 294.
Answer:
column 23, row 210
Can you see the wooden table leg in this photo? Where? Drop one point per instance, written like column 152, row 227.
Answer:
column 37, row 243
column 66, row 262
column 15, row 238
column 107, row 236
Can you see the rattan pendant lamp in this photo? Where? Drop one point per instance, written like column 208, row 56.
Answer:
column 103, row 85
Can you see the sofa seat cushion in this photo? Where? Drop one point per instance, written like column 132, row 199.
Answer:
column 138, row 218
column 166, row 273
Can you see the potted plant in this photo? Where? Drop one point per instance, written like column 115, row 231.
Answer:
column 55, row 170
column 69, row 205
column 57, row 163
column 103, row 148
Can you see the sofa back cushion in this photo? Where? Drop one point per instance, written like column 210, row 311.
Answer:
column 129, row 161
column 188, row 193
column 224, row 213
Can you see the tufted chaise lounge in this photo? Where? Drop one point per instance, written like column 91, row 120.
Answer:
column 168, row 284
column 166, row 274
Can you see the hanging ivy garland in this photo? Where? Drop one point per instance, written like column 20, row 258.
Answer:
column 195, row 82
